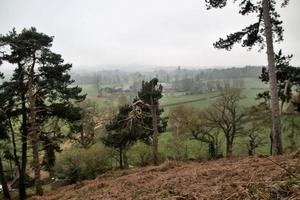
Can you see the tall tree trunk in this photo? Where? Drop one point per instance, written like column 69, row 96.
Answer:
column 16, row 158
column 24, row 132
column 3, row 182
column 34, row 132
column 277, row 145
column 155, row 133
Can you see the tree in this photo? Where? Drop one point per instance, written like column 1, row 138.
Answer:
column 287, row 78
column 85, row 127
column 44, row 88
column 291, row 127
column 190, row 122
column 120, row 136
column 150, row 94
column 3, row 136
column 226, row 114
column 202, row 130
column 261, row 32
column 257, row 119
column 179, row 119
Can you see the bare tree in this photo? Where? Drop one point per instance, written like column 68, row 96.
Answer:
column 227, row 115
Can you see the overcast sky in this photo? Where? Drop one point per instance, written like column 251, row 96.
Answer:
column 143, row 32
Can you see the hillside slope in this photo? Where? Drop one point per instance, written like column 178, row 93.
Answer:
column 238, row 178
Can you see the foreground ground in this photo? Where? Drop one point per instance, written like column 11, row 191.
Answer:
column 238, row 178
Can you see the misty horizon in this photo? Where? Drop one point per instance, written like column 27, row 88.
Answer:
column 142, row 33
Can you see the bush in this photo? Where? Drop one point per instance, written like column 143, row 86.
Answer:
column 79, row 164
column 140, row 154
column 177, row 149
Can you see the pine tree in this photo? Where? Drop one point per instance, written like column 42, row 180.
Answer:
column 150, row 94
column 287, row 78
column 119, row 135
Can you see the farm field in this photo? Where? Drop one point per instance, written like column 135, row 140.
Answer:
column 252, row 87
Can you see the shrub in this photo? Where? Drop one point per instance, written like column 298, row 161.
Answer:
column 140, row 154
column 79, row 164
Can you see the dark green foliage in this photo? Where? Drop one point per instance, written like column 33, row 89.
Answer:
column 150, row 90
column 254, row 33
column 150, row 93
column 215, row 3
column 84, row 128
column 287, row 78
column 120, row 136
column 51, row 141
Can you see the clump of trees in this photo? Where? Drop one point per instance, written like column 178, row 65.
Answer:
column 39, row 90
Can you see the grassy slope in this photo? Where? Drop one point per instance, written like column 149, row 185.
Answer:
column 238, row 178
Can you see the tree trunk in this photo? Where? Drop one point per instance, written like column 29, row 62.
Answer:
column 24, row 132
column 212, row 151
column 277, row 145
column 155, row 134
column 16, row 158
column 229, row 147
column 125, row 160
column 34, row 133
column 251, row 148
column 3, row 182
column 271, row 139
column 121, row 159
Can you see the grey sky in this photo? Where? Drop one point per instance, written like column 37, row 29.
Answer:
column 151, row 32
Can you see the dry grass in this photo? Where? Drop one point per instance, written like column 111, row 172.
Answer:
column 238, row 178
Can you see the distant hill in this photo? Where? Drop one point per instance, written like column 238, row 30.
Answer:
column 168, row 74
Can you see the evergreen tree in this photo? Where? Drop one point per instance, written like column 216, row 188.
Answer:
column 150, row 94
column 287, row 77
column 120, row 136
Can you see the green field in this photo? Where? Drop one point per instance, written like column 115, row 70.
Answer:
column 252, row 87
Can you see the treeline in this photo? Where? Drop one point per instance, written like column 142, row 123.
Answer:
column 120, row 77
column 191, row 81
